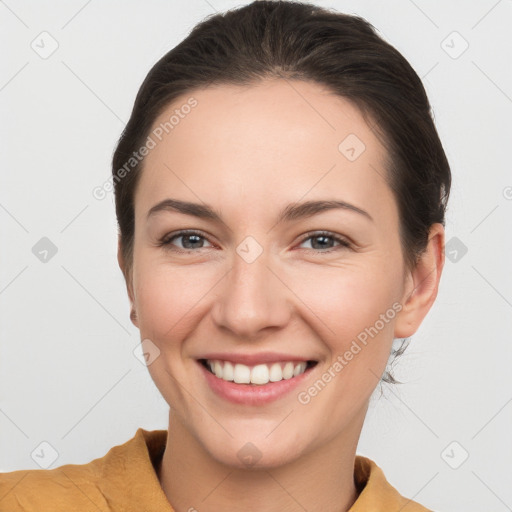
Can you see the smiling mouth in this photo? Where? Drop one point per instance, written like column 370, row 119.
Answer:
column 257, row 375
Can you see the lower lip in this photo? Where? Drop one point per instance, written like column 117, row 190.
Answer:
column 249, row 394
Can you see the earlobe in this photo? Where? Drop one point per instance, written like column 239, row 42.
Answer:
column 422, row 285
column 133, row 317
column 120, row 255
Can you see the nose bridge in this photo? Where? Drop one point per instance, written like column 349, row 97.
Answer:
column 252, row 297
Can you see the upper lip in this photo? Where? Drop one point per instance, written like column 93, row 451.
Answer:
column 254, row 359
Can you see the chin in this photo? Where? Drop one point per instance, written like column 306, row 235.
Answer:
column 261, row 453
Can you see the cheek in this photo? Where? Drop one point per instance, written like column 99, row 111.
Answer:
column 346, row 299
column 169, row 298
column 351, row 309
column 341, row 299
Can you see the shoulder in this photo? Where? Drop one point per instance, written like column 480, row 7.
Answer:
column 103, row 484
column 376, row 493
column 59, row 488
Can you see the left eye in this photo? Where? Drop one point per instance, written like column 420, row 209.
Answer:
column 322, row 237
column 192, row 240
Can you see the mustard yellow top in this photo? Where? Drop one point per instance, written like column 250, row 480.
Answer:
column 125, row 480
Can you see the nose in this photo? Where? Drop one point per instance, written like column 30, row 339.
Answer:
column 253, row 299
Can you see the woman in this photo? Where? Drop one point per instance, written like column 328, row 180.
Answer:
column 280, row 194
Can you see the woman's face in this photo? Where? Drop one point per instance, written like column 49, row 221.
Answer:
column 268, row 277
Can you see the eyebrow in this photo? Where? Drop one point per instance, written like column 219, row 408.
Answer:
column 291, row 212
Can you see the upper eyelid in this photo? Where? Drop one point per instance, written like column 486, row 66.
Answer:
column 184, row 232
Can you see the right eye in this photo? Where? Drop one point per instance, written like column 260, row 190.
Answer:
column 190, row 241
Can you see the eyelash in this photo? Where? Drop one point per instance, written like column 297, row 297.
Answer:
column 345, row 244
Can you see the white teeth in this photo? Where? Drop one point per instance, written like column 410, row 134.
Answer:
column 259, row 374
column 242, row 374
column 297, row 370
column 288, row 371
column 228, row 371
column 217, row 368
column 276, row 374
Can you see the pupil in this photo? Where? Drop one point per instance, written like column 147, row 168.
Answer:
column 323, row 237
column 187, row 246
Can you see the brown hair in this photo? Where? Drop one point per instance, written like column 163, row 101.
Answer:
column 293, row 40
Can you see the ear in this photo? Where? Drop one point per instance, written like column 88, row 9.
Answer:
column 422, row 285
column 128, row 280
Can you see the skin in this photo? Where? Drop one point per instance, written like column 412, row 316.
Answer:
column 249, row 152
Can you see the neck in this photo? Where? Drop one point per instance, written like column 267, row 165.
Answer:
column 322, row 480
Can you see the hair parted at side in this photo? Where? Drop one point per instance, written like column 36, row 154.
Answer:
column 270, row 39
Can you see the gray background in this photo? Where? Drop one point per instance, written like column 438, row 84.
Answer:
column 68, row 374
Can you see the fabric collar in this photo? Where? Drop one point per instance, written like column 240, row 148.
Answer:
column 134, row 463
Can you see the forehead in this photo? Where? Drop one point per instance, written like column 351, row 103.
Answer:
column 272, row 142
